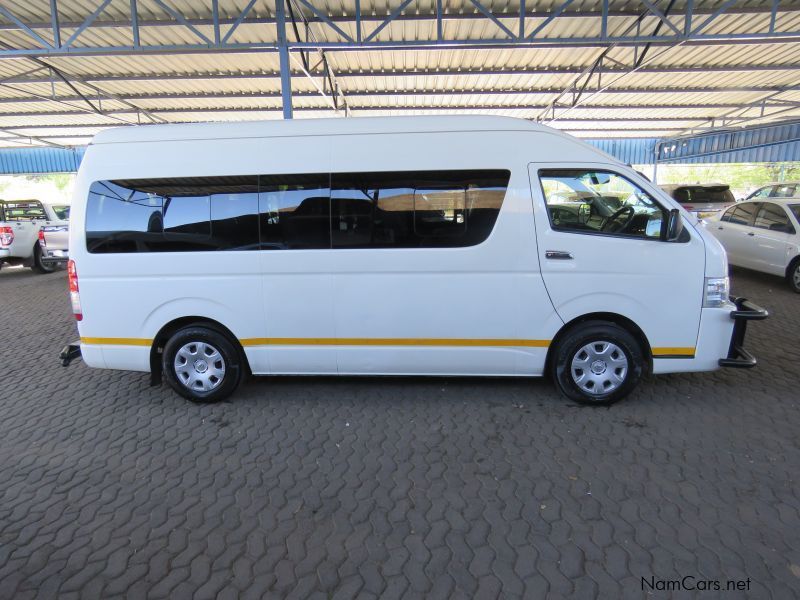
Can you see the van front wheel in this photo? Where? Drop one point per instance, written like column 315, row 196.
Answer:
column 201, row 364
column 597, row 363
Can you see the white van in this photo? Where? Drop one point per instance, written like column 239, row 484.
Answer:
column 391, row 246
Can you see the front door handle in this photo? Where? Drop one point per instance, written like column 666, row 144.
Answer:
column 720, row 228
column 751, row 234
column 558, row 255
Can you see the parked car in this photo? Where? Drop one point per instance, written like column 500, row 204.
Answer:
column 20, row 223
column 703, row 200
column 787, row 189
column 388, row 246
column 54, row 242
column 763, row 236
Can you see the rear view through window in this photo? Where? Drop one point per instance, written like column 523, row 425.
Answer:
column 704, row 194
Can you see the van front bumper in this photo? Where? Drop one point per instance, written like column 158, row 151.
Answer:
column 745, row 311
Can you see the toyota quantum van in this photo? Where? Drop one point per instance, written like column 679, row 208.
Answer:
column 476, row 246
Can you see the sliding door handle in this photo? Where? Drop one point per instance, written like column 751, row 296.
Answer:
column 558, row 255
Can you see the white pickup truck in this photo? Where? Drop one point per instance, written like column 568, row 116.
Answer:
column 20, row 223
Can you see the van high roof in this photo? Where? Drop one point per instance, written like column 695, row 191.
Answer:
column 311, row 127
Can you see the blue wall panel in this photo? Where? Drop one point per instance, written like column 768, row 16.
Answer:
column 40, row 160
column 776, row 143
column 632, row 151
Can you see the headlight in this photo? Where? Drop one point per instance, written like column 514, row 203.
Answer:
column 717, row 292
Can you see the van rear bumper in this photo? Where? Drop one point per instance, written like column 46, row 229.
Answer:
column 745, row 311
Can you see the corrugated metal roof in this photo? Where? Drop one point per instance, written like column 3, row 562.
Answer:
column 676, row 89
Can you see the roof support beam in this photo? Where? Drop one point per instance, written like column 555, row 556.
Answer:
column 749, row 39
column 404, row 93
column 514, row 26
column 368, row 17
column 26, row 78
column 83, row 26
column 330, row 88
column 613, row 108
column 54, row 24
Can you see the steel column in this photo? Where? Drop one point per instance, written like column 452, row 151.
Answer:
column 283, row 49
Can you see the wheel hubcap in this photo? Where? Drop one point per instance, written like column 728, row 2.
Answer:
column 199, row 366
column 599, row 368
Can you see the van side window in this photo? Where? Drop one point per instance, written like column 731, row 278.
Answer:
column 294, row 211
column 420, row 209
column 600, row 202
column 428, row 209
column 172, row 215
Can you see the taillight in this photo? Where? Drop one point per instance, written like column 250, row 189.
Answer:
column 41, row 238
column 74, row 295
column 6, row 236
column 688, row 207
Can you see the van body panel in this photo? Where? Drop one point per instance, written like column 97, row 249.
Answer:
column 658, row 285
column 492, row 308
column 444, row 293
column 713, row 341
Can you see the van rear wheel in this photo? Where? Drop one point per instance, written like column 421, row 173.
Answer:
column 598, row 363
column 201, row 364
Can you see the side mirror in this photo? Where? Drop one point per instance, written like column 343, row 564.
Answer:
column 674, row 226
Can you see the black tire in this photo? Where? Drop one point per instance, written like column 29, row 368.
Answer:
column 38, row 265
column 793, row 275
column 227, row 349
column 573, row 343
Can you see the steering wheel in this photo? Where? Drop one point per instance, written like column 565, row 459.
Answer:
column 607, row 224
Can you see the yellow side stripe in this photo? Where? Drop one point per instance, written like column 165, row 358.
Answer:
column 340, row 342
column 116, row 341
column 391, row 342
column 460, row 342
column 659, row 352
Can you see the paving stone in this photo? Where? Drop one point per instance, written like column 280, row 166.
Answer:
column 391, row 487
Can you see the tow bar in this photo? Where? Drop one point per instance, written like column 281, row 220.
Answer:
column 69, row 353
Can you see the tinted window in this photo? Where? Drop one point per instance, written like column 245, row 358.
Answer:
column 415, row 209
column 176, row 214
column 763, row 192
column 717, row 194
column 295, row 211
column 773, row 217
column 795, row 208
column 120, row 218
column 61, row 212
column 587, row 201
column 744, row 213
column 783, row 191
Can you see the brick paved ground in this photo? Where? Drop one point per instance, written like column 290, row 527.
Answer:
column 337, row 488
